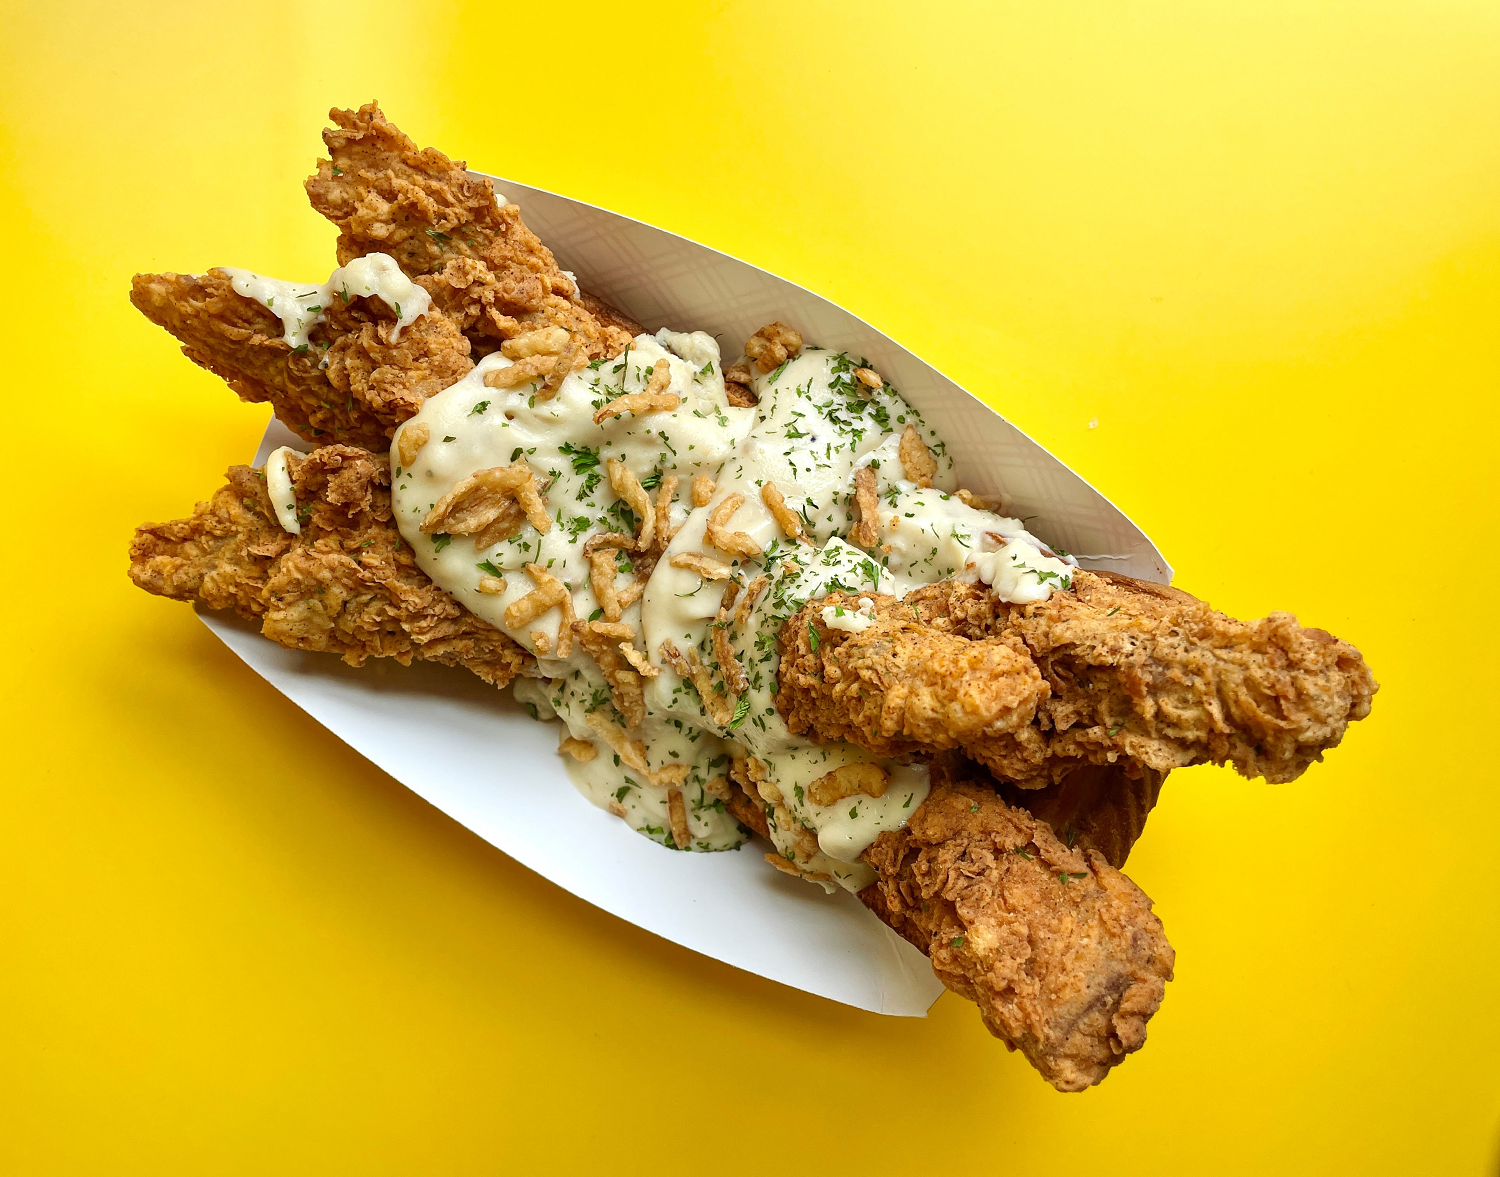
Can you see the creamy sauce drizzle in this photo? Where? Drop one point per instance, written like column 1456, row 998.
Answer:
column 301, row 306
column 279, row 487
column 855, row 620
column 814, row 427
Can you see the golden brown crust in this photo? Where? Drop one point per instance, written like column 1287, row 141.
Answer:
column 386, row 195
column 1060, row 951
column 1132, row 672
column 483, row 267
column 347, row 585
column 897, row 686
column 354, row 384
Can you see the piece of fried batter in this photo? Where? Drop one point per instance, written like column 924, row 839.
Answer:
column 1131, row 670
column 348, row 584
column 1062, row 953
column 897, row 686
column 483, row 267
column 352, row 384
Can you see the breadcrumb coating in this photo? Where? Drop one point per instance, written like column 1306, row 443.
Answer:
column 353, row 384
column 1127, row 671
column 1062, row 953
column 348, row 584
column 483, row 267
column 899, row 687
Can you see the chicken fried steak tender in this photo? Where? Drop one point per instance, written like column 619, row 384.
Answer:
column 1062, row 953
column 446, row 229
column 370, row 384
column 897, row 687
column 347, row 585
column 1131, row 670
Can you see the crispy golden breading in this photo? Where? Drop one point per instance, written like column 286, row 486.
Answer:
column 476, row 257
column 1060, row 951
column 348, row 584
column 1133, row 671
column 898, row 686
column 386, row 195
column 369, row 386
column 1099, row 807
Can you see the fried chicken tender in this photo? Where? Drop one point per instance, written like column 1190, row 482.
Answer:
column 897, row 687
column 483, row 267
column 1131, row 670
column 353, row 384
column 348, row 584
column 1062, row 953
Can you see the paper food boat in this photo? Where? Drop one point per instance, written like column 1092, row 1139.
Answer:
column 470, row 751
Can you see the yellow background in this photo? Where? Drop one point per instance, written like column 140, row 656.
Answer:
column 1259, row 242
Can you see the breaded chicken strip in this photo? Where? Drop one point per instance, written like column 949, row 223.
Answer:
column 352, row 384
column 347, row 585
column 1131, row 671
column 1099, row 807
column 897, row 687
column 445, row 228
column 1062, row 953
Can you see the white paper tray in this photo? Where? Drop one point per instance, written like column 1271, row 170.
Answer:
column 471, row 752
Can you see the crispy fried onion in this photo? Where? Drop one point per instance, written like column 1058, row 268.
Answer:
column 604, row 642
column 641, row 663
column 533, row 368
column 866, row 532
column 787, row 867
column 621, row 632
column 717, row 787
column 916, row 458
column 718, row 535
column 747, row 602
column 603, row 568
column 492, row 586
column 696, row 673
column 546, row 369
column 754, row 778
column 655, row 399
column 673, row 774
column 491, row 505
column 664, row 495
column 772, row 346
column 869, row 378
column 626, row 485
column 414, row 435
column 786, row 518
column 729, row 665
column 682, row 833
column 545, row 341
column 703, row 490
column 580, row 750
column 575, row 354
column 632, row 753
column 846, row 781
column 705, row 566
column 737, row 387
column 550, row 593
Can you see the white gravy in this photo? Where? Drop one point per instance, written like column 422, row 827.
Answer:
column 814, row 426
column 301, row 306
